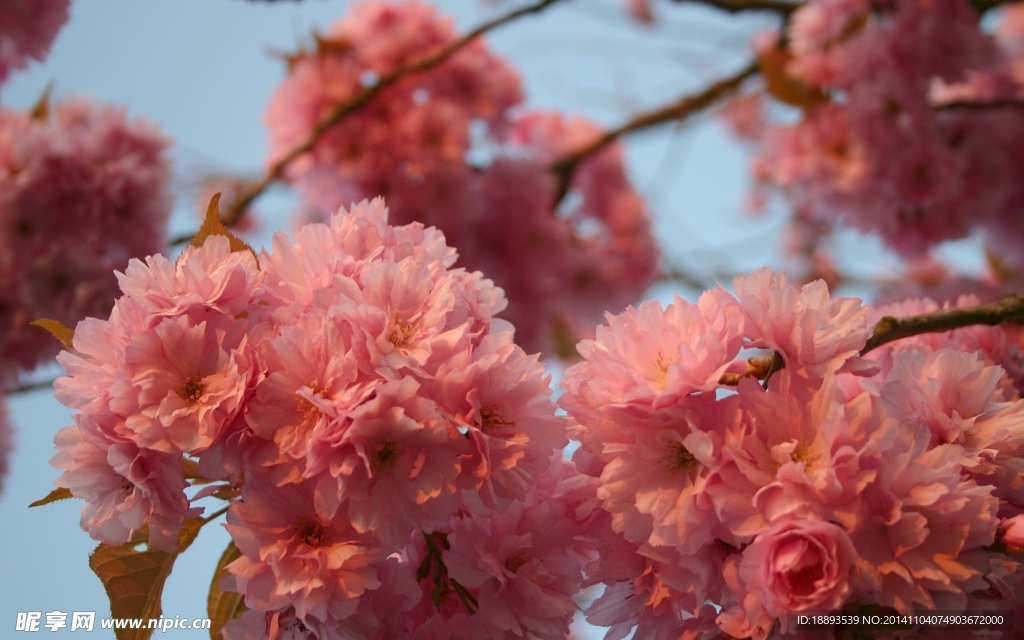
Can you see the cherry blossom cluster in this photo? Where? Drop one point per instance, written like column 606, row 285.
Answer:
column 907, row 128
column 391, row 458
column 443, row 147
column 82, row 190
column 27, row 30
column 839, row 482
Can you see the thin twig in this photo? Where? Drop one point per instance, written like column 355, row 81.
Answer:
column 737, row 6
column 216, row 514
column 682, row 108
column 889, row 329
column 31, row 386
column 982, row 105
column 339, row 111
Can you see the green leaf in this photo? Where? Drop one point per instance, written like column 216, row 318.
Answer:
column 134, row 580
column 53, row 496
column 57, row 330
column 223, row 605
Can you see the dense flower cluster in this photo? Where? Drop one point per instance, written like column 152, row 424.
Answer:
column 888, row 142
column 390, row 449
column 82, row 190
column 847, row 482
column 443, row 148
column 27, row 30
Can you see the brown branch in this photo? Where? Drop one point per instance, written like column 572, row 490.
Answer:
column 360, row 100
column 972, row 105
column 981, row 6
column 30, row 386
column 737, row 6
column 890, row 329
column 565, row 167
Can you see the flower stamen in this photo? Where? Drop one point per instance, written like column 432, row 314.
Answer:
column 191, row 390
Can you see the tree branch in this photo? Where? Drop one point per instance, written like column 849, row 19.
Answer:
column 737, row 6
column 971, row 105
column 565, row 167
column 890, row 329
column 234, row 210
column 30, row 386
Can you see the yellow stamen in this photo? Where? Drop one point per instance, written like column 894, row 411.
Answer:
column 191, row 390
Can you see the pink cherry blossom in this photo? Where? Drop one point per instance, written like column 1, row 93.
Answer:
column 519, row 565
column 312, row 378
column 501, row 397
column 27, row 30
column 291, row 557
column 921, row 536
column 418, row 126
column 203, row 279
column 1014, row 531
column 84, row 190
column 648, row 357
column 124, row 486
column 793, row 566
column 389, row 466
column 815, row 334
column 799, row 451
column 183, row 383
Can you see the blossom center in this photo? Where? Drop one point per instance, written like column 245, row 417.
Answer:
column 191, row 390
column 385, row 458
column 513, row 563
column 490, row 418
column 677, row 458
column 400, row 331
column 660, row 370
column 802, row 581
column 802, row 453
column 310, row 532
column 309, row 409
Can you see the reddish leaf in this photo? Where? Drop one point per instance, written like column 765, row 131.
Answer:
column 53, row 496
column 134, row 580
column 57, row 330
column 223, row 605
column 212, row 226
